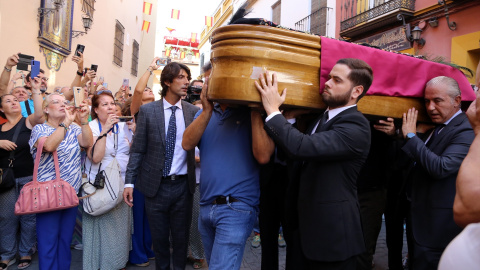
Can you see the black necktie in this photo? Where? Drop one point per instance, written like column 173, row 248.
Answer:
column 322, row 121
column 170, row 142
column 434, row 134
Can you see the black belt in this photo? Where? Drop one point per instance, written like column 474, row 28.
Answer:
column 174, row 177
column 224, row 200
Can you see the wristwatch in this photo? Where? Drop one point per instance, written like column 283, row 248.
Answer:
column 410, row 135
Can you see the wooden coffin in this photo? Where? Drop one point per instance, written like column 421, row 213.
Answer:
column 240, row 53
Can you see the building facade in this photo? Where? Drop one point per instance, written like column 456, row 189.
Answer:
column 447, row 30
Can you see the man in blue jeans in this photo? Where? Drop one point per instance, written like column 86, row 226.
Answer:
column 232, row 143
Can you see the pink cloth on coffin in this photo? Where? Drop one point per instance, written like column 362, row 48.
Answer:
column 394, row 74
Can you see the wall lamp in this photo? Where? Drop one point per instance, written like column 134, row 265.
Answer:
column 451, row 25
column 42, row 12
column 433, row 22
column 87, row 23
column 416, row 32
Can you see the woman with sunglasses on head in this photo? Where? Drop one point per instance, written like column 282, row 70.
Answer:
column 23, row 170
column 107, row 237
column 55, row 229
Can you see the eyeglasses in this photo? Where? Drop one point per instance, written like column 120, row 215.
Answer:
column 44, row 79
column 104, row 91
column 57, row 101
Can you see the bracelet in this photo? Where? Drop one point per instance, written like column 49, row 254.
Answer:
column 39, row 93
column 84, row 123
column 7, row 69
column 79, row 73
column 151, row 71
column 64, row 126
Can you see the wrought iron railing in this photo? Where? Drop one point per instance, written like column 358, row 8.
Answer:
column 313, row 23
column 354, row 12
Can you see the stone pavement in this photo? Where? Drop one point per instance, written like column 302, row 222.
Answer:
column 251, row 258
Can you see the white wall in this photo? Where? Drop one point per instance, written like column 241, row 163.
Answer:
column 293, row 11
column 331, row 18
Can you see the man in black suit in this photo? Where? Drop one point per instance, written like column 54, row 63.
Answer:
column 333, row 151
column 164, row 172
column 435, row 161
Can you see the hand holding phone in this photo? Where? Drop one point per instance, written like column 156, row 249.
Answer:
column 80, row 48
column 125, row 83
column 35, row 69
column 78, row 96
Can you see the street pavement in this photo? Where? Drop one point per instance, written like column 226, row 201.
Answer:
column 251, row 257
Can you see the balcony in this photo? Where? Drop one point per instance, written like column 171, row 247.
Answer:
column 362, row 16
column 315, row 23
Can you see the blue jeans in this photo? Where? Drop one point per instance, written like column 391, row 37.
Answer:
column 225, row 229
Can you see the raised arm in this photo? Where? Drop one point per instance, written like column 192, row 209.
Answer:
column 36, row 117
column 466, row 208
column 6, row 71
column 193, row 133
column 78, row 78
column 140, row 87
column 262, row 144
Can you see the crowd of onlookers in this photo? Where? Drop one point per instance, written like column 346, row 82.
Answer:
column 326, row 181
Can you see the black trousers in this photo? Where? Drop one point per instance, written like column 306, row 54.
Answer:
column 170, row 210
column 272, row 215
column 372, row 206
column 395, row 215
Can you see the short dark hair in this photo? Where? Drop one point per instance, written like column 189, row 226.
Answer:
column 360, row 73
column 169, row 73
column 30, row 73
column 96, row 103
column 194, row 81
column 207, row 67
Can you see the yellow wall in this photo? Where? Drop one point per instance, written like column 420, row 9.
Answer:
column 466, row 51
column 19, row 30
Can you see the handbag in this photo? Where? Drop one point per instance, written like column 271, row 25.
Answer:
column 96, row 200
column 39, row 197
column 7, row 176
column 102, row 200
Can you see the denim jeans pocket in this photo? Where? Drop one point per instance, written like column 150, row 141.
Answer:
column 241, row 207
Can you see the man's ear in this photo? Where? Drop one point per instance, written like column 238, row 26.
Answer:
column 457, row 101
column 357, row 91
column 167, row 83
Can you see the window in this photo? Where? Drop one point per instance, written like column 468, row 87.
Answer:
column 88, row 7
column 135, row 58
column 276, row 12
column 118, row 48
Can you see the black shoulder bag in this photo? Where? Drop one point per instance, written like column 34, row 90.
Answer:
column 7, row 177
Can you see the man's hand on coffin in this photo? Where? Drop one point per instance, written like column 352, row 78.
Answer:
column 387, row 127
column 473, row 114
column 268, row 89
column 409, row 124
column 206, row 104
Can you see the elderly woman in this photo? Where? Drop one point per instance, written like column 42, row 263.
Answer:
column 106, row 238
column 23, row 171
column 55, row 229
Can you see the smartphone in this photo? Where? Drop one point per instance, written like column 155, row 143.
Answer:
column 105, row 85
column 35, row 68
column 78, row 96
column 80, row 48
column 94, row 67
column 125, row 118
column 24, row 61
column 162, row 62
column 101, row 78
column 125, row 82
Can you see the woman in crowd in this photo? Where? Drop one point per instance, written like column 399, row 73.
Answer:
column 141, row 239
column 106, row 238
column 55, row 229
column 23, row 170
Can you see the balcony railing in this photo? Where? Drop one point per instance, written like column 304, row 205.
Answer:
column 354, row 12
column 315, row 23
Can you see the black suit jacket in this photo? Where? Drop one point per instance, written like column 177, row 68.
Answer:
column 147, row 154
column 433, row 180
column 328, row 209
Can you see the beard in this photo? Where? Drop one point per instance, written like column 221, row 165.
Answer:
column 336, row 101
